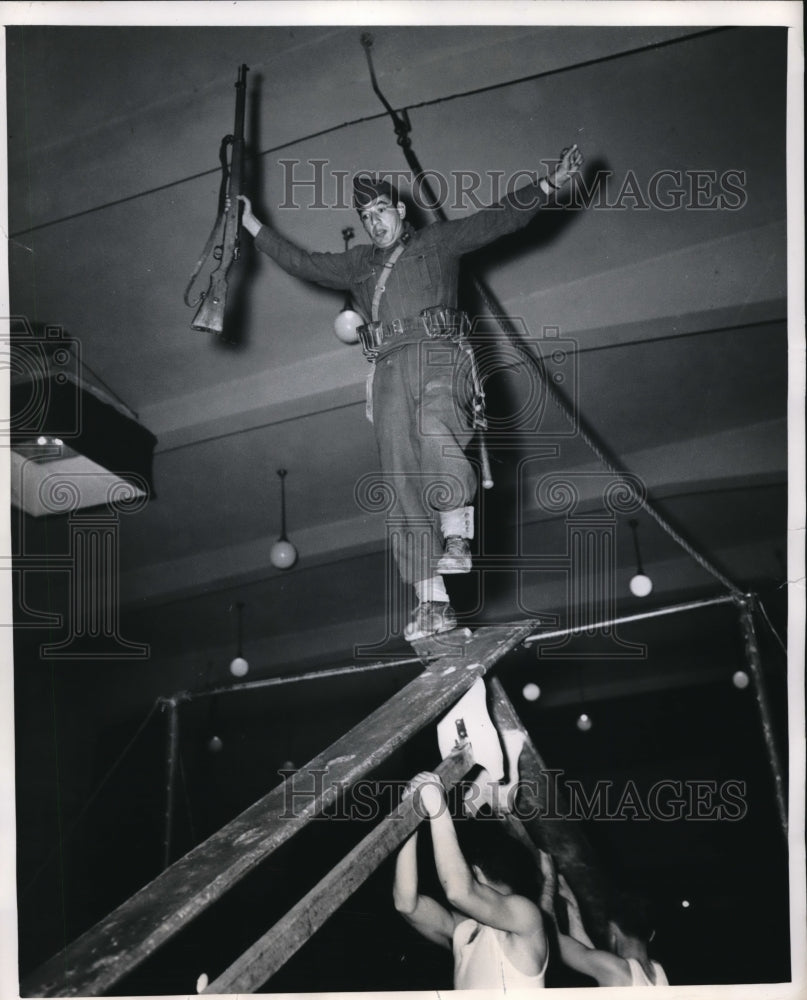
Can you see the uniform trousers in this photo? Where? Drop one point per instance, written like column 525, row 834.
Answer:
column 422, row 395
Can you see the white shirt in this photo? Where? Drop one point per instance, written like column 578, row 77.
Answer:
column 638, row 977
column 480, row 962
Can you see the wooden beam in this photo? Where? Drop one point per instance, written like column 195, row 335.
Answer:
column 273, row 949
column 121, row 941
column 543, row 811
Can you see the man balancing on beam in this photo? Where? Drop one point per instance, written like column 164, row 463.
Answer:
column 424, row 387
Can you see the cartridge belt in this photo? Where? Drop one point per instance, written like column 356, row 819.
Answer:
column 436, row 322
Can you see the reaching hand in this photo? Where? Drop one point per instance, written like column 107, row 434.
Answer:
column 249, row 220
column 431, row 792
column 571, row 159
column 565, row 891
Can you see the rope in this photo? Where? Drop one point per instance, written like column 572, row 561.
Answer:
column 587, row 435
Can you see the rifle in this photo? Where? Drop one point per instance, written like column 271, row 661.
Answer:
column 224, row 238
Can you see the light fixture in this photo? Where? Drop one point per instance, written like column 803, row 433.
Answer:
column 74, row 443
column 740, row 679
column 283, row 554
column 215, row 744
column 238, row 665
column 347, row 323
column 531, row 692
column 640, row 584
column 584, row 721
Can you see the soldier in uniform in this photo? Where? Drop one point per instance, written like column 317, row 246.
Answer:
column 404, row 283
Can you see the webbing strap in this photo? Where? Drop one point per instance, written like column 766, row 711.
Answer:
column 218, row 226
column 381, row 284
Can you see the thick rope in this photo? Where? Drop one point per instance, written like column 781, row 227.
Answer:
column 587, row 435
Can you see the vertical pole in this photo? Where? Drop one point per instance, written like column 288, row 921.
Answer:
column 760, row 691
column 171, row 769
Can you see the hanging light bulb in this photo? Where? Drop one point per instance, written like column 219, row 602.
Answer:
column 215, row 744
column 584, row 721
column 283, row 554
column 238, row 665
column 531, row 692
column 348, row 321
column 640, row 584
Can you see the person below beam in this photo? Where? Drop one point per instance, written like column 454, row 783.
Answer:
column 492, row 922
column 627, row 963
column 424, row 389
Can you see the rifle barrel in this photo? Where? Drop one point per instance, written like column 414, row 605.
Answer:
column 209, row 317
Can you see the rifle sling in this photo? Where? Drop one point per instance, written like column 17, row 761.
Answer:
column 213, row 238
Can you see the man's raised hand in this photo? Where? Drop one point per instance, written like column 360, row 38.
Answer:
column 571, row 159
column 430, row 792
column 249, row 220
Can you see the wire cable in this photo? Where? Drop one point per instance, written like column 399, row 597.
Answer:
column 769, row 623
column 93, row 796
column 329, row 130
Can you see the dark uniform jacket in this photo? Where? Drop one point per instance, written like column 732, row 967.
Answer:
column 426, row 273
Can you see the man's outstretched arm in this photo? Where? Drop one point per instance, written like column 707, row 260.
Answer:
column 608, row 969
column 329, row 269
column 514, row 211
column 577, row 949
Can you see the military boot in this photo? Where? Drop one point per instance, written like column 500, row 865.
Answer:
column 430, row 618
column 457, row 556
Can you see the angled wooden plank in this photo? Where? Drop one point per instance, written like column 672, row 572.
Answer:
column 274, row 948
column 544, row 813
column 122, row 940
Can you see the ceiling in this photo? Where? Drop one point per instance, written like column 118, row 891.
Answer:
column 676, row 317
column 672, row 322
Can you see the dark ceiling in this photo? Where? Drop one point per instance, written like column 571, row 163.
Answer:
column 673, row 324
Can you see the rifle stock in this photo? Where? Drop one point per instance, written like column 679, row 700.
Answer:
column 209, row 317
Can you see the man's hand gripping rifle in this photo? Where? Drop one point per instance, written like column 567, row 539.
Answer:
column 223, row 241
